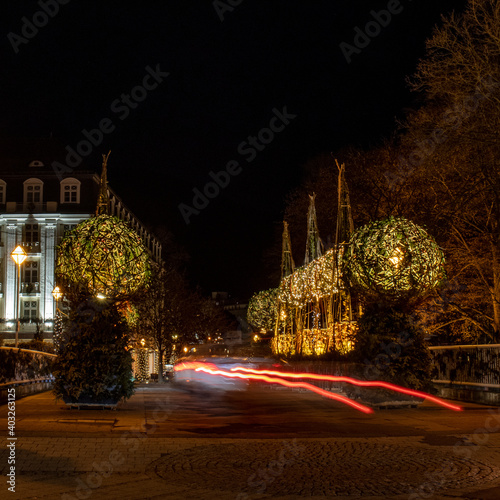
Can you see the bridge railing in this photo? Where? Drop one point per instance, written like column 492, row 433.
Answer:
column 468, row 365
column 18, row 364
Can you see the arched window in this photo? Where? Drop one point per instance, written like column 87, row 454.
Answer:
column 33, row 191
column 70, row 190
column 3, row 191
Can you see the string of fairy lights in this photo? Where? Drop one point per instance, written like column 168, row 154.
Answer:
column 312, row 282
column 393, row 260
column 142, row 365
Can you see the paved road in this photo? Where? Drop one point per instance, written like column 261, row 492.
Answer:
column 165, row 443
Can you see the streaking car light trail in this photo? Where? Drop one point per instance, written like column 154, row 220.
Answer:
column 349, row 380
column 213, row 370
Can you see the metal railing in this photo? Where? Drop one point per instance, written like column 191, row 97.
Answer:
column 467, row 364
column 31, row 246
column 30, row 287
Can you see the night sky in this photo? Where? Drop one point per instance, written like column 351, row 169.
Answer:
column 226, row 81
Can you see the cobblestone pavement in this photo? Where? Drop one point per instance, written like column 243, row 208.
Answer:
column 124, row 455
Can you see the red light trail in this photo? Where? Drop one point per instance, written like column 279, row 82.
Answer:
column 213, row 370
column 349, row 380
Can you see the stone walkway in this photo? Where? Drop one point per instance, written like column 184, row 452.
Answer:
column 125, row 454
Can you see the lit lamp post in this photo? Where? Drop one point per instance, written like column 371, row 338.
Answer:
column 57, row 294
column 19, row 256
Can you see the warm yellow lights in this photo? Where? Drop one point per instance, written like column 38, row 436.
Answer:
column 100, row 296
column 396, row 257
column 57, row 294
column 313, row 282
column 19, row 255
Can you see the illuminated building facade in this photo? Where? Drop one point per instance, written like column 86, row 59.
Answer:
column 37, row 206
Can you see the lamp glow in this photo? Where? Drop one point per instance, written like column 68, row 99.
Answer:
column 19, row 255
column 57, row 294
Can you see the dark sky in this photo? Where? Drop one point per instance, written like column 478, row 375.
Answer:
column 225, row 79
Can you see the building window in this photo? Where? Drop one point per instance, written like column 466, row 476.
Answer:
column 30, row 276
column 34, row 194
column 70, row 190
column 31, row 233
column 70, row 194
column 30, row 310
column 33, row 191
column 3, row 187
column 31, row 272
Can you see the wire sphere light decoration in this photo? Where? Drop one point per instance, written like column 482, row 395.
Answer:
column 262, row 309
column 393, row 259
column 103, row 257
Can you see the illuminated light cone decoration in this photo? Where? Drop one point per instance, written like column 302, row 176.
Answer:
column 314, row 303
column 394, row 260
column 103, row 256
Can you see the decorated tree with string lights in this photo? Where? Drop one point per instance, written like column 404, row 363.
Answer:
column 394, row 265
column 142, row 365
column 101, row 266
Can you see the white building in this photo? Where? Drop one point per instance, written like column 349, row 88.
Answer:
column 36, row 208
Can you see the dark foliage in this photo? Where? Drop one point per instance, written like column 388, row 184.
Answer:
column 392, row 344
column 94, row 365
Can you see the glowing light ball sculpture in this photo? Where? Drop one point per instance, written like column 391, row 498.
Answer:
column 393, row 259
column 262, row 309
column 103, row 257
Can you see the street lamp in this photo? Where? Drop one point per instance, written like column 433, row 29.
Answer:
column 19, row 256
column 57, row 294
